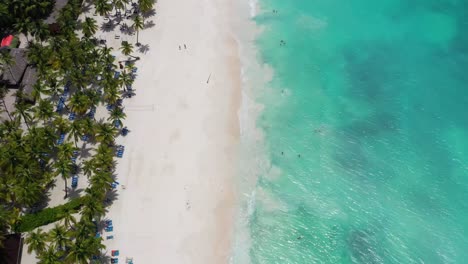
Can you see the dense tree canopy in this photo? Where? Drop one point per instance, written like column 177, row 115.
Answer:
column 44, row 141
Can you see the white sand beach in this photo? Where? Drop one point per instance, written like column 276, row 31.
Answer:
column 175, row 201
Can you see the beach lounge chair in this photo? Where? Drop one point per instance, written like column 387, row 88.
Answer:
column 61, row 139
column 98, row 235
column 85, row 137
column 114, row 260
column 115, row 253
column 129, row 260
column 110, row 237
column 74, row 183
column 124, row 131
column 72, row 116
column 109, row 229
column 108, row 223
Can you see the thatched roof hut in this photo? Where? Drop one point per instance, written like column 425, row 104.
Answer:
column 11, row 75
column 28, row 81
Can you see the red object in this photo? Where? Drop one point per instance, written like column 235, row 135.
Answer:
column 6, row 41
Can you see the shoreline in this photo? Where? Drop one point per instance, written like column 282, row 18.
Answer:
column 179, row 201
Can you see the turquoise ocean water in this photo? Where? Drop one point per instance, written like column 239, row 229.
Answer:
column 366, row 129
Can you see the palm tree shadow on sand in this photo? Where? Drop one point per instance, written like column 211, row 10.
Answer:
column 149, row 24
column 108, row 26
column 149, row 14
column 74, row 192
column 144, row 48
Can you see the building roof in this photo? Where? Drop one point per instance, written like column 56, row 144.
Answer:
column 28, row 81
column 12, row 74
column 11, row 252
column 59, row 4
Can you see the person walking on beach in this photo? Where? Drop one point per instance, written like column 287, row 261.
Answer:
column 185, row 47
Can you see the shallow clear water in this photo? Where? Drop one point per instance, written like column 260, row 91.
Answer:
column 366, row 129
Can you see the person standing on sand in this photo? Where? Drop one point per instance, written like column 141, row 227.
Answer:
column 185, row 47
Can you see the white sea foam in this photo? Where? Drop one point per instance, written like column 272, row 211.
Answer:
column 252, row 159
column 253, row 7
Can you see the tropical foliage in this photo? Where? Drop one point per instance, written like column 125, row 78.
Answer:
column 58, row 136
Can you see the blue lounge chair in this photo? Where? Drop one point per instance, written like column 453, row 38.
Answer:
column 85, row 138
column 110, row 237
column 124, row 131
column 98, row 235
column 60, row 106
column 114, row 260
column 115, row 253
column 74, row 183
column 71, row 117
column 109, row 229
column 61, row 139
column 116, row 74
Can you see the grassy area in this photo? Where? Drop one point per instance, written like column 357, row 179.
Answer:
column 29, row 222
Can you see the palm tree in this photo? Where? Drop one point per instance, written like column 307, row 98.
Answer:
column 145, row 5
column 93, row 209
column 119, row 5
column 88, row 167
column 111, row 94
column 126, row 48
column 3, row 93
column 89, row 27
column 68, row 219
column 5, row 216
column 80, row 103
column 23, row 26
column 80, row 252
column 23, row 110
column 76, row 131
column 50, row 256
column 126, row 80
column 44, row 110
column 138, row 24
column 63, row 168
column 102, row 180
column 105, row 133
column 103, row 7
column 59, row 238
column 36, row 241
column 65, row 151
column 27, row 193
column 38, row 89
column 40, row 30
column 6, row 60
column 116, row 116
column 61, row 124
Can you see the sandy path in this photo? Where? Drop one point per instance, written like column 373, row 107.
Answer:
column 180, row 155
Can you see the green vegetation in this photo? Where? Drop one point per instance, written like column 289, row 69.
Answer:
column 40, row 142
column 29, row 222
column 22, row 16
